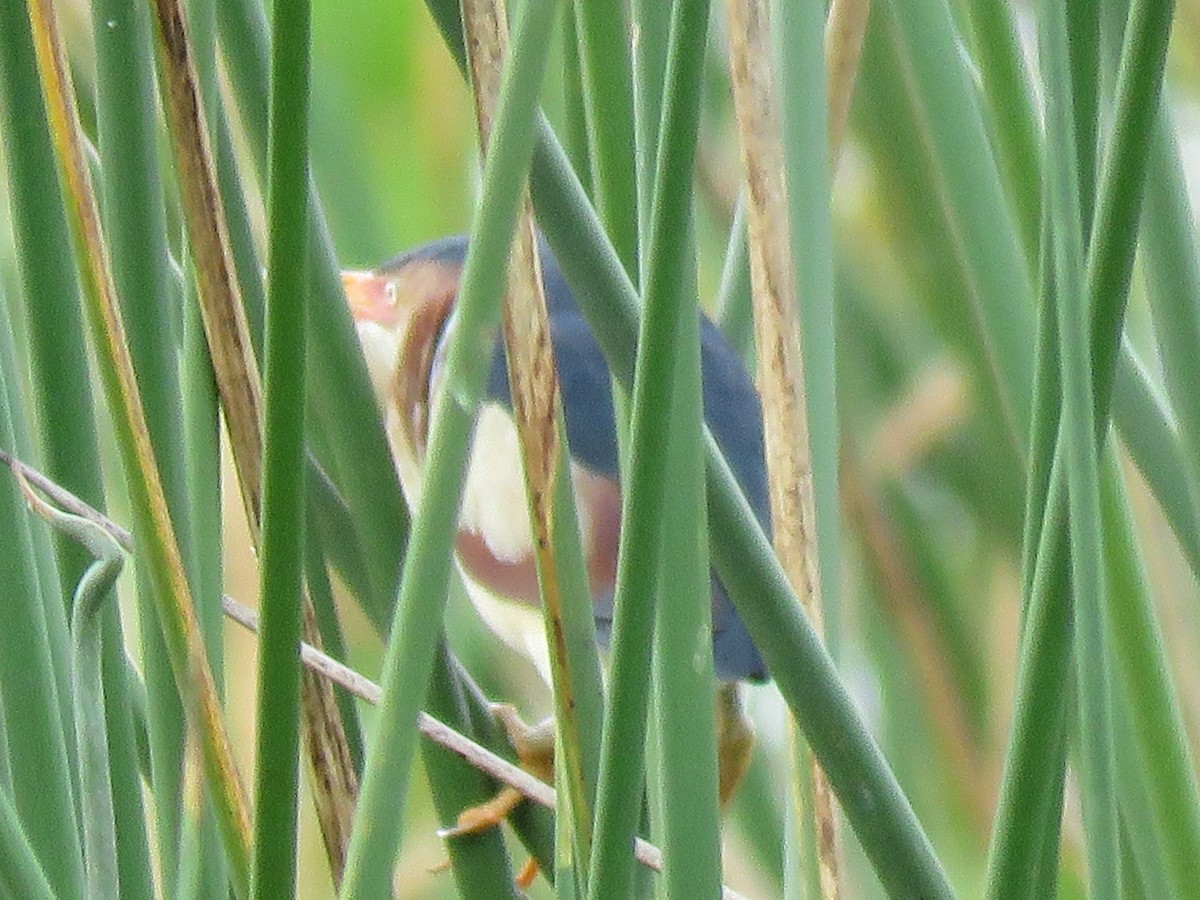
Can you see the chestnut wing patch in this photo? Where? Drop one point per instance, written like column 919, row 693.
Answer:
column 495, row 544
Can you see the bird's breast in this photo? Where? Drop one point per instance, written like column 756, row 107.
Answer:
column 495, row 539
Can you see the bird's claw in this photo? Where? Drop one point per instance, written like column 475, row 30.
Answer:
column 484, row 816
column 490, row 815
column 534, row 746
column 528, row 872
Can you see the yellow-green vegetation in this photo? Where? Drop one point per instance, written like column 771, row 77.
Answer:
column 956, row 245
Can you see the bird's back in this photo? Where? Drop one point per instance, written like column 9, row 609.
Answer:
column 732, row 411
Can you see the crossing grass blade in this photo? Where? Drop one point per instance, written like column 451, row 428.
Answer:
column 1068, row 202
column 283, row 486
column 952, row 369
column 409, row 660
column 136, row 223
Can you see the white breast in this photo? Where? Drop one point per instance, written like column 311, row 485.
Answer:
column 494, row 507
column 517, row 624
column 494, row 504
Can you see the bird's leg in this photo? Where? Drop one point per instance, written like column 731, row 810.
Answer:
column 735, row 741
column 534, row 745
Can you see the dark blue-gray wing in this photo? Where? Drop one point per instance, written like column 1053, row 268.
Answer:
column 731, row 408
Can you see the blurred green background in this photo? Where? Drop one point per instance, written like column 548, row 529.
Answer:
column 933, row 490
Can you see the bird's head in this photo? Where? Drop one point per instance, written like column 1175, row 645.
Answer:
column 399, row 311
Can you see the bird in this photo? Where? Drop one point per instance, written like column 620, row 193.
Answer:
column 401, row 310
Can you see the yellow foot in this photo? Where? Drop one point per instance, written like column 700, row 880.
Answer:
column 528, row 872
column 735, row 741
column 534, row 745
column 484, row 816
column 523, row 879
column 535, row 751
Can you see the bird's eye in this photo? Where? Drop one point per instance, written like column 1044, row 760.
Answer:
column 392, row 297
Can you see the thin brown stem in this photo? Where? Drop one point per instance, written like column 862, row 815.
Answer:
column 335, row 783
column 777, row 334
column 533, row 384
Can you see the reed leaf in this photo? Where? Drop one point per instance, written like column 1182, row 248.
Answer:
column 283, row 520
column 1067, row 100
column 36, row 759
column 22, row 873
column 409, row 659
column 176, row 611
